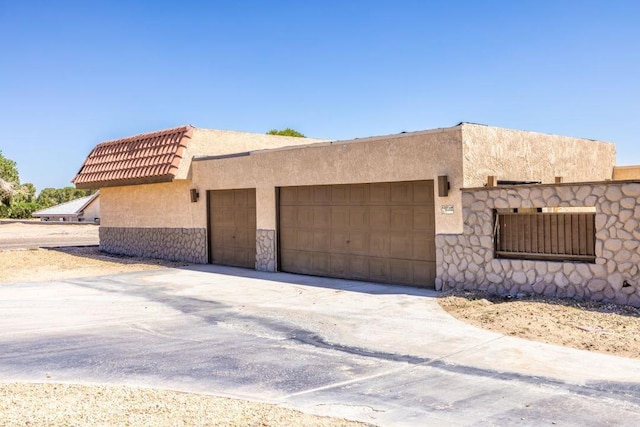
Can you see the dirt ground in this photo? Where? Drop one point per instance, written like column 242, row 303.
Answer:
column 35, row 233
column 33, row 265
column 600, row 327
column 75, row 405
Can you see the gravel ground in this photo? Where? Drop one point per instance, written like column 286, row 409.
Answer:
column 76, row 405
column 600, row 327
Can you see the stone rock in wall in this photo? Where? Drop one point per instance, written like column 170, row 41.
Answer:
column 174, row 244
column 631, row 190
column 613, row 193
column 265, row 250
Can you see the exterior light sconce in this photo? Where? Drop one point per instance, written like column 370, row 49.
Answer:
column 194, row 195
column 443, row 186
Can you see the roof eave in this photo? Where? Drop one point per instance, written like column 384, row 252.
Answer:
column 125, row 182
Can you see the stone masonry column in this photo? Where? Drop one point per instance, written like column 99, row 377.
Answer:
column 266, row 229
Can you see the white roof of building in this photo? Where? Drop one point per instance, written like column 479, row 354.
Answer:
column 72, row 208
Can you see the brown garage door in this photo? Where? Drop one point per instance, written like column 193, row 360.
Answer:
column 383, row 232
column 232, row 227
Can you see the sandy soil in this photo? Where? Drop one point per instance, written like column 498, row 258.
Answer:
column 36, row 232
column 30, row 265
column 600, row 327
column 74, row 405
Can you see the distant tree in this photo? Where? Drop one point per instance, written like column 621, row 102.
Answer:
column 286, row 132
column 54, row 196
column 9, row 180
column 8, row 170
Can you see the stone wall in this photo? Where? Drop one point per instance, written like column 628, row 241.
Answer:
column 466, row 261
column 174, row 244
column 266, row 250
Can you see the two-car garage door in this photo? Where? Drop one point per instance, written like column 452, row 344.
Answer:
column 381, row 232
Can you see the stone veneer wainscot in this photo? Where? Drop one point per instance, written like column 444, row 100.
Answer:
column 466, row 261
column 173, row 244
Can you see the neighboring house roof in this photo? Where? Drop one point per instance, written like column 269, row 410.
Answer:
column 141, row 159
column 72, row 208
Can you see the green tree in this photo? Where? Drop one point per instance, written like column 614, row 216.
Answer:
column 54, row 196
column 9, row 180
column 8, row 170
column 286, row 132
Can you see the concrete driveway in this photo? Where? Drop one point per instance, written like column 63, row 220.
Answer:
column 387, row 355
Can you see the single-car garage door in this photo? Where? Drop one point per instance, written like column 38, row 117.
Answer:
column 232, row 227
column 382, row 232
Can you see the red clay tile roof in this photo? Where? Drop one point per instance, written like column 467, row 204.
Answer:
column 141, row 159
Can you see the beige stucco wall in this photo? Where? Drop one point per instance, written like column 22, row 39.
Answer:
column 92, row 211
column 626, row 172
column 404, row 157
column 152, row 205
column 213, row 142
column 530, row 156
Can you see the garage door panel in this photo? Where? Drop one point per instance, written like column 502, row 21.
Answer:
column 381, row 232
column 401, row 245
column 304, row 196
column 359, row 217
column 358, row 194
column 340, row 195
column 402, row 218
column 379, row 193
column 244, row 237
column 423, row 248
column 322, row 195
column 288, row 215
column 423, row 273
column 304, row 239
column 340, row 241
column 232, row 227
column 359, row 242
column 338, row 265
column 305, row 217
column 379, row 269
column 288, row 196
column 322, row 217
column 321, row 264
column 401, row 193
column 423, row 218
column 321, row 241
column 423, row 192
column 380, row 217
column 379, row 244
column 358, row 267
column 401, row 271
column 288, row 238
column 340, row 217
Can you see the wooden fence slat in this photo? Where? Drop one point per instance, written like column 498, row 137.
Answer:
column 540, row 221
column 575, row 234
column 554, row 234
column 547, row 234
column 561, row 241
column 591, row 247
column 557, row 234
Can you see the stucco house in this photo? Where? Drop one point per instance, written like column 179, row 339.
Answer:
column 373, row 208
column 83, row 209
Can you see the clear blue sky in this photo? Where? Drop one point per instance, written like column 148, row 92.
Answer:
column 75, row 73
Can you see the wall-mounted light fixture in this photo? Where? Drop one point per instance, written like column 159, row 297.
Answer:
column 194, row 195
column 443, row 186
